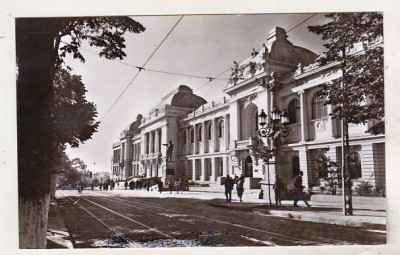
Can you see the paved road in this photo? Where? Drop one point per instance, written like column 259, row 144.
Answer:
column 101, row 219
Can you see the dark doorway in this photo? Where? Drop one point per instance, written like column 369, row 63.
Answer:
column 295, row 166
column 248, row 167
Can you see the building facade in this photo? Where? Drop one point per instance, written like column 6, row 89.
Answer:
column 211, row 140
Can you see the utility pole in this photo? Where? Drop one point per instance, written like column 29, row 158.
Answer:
column 346, row 181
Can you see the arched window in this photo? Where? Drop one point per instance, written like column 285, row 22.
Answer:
column 192, row 135
column 318, row 108
column 295, row 166
column 200, row 133
column 355, row 165
column 221, row 129
column 209, row 131
column 184, row 136
column 294, row 111
column 322, row 166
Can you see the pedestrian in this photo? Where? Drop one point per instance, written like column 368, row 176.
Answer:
column 278, row 187
column 178, row 186
column 160, row 186
column 240, row 187
column 170, row 186
column 101, row 186
column 228, row 188
column 92, row 186
column 131, row 185
column 126, row 184
column 148, row 185
column 298, row 185
column 261, row 195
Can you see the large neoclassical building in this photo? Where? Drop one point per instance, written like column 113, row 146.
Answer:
column 211, row 139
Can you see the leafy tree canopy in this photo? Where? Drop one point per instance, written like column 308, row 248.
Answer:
column 74, row 116
column 355, row 40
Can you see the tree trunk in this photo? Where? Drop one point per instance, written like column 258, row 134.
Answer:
column 33, row 222
column 37, row 150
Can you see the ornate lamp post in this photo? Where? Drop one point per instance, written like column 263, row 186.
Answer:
column 269, row 132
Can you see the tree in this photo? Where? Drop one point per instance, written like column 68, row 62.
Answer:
column 74, row 116
column 358, row 96
column 39, row 56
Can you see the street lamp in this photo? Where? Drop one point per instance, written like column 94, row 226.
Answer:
column 271, row 131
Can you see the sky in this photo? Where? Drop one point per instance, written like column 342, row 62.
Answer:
column 199, row 45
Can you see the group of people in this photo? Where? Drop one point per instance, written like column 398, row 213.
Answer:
column 278, row 188
column 177, row 185
column 139, row 184
column 229, row 183
column 106, row 185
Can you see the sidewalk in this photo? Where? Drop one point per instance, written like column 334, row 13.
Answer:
column 57, row 233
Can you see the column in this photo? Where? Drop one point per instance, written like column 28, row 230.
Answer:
column 203, row 169
column 214, row 135
column 204, row 137
column 303, row 117
column 304, row 167
column 226, row 131
column 193, row 169
column 156, row 143
column 234, row 122
column 213, row 170
column 195, row 151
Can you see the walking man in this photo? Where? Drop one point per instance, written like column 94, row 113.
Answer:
column 160, row 186
column 240, row 187
column 170, row 186
column 298, row 185
column 228, row 188
column 178, row 186
column 278, row 187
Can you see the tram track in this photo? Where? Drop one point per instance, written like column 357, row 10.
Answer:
column 152, row 207
column 173, row 216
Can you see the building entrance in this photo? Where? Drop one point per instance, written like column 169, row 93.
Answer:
column 248, row 167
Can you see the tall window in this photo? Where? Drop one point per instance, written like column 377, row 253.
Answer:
column 221, row 129
column 192, row 135
column 295, row 166
column 318, row 108
column 184, row 136
column 294, row 111
column 355, row 165
column 200, row 132
column 210, row 130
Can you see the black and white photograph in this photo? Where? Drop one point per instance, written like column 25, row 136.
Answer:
column 201, row 130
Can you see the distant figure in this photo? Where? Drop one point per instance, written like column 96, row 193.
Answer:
column 101, row 186
column 228, row 188
column 178, row 186
column 92, row 186
column 126, row 184
column 170, row 148
column 298, row 185
column 112, row 185
column 148, row 185
column 261, row 195
column 278, row 187
column 131, row 185
column 160, row 186
column 170, row 186
column 240, row 187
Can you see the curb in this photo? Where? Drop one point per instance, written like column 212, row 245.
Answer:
column 58, row 234
column 297, row 215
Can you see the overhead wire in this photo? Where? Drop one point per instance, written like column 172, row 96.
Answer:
column 136, row 75
column 140, row 68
